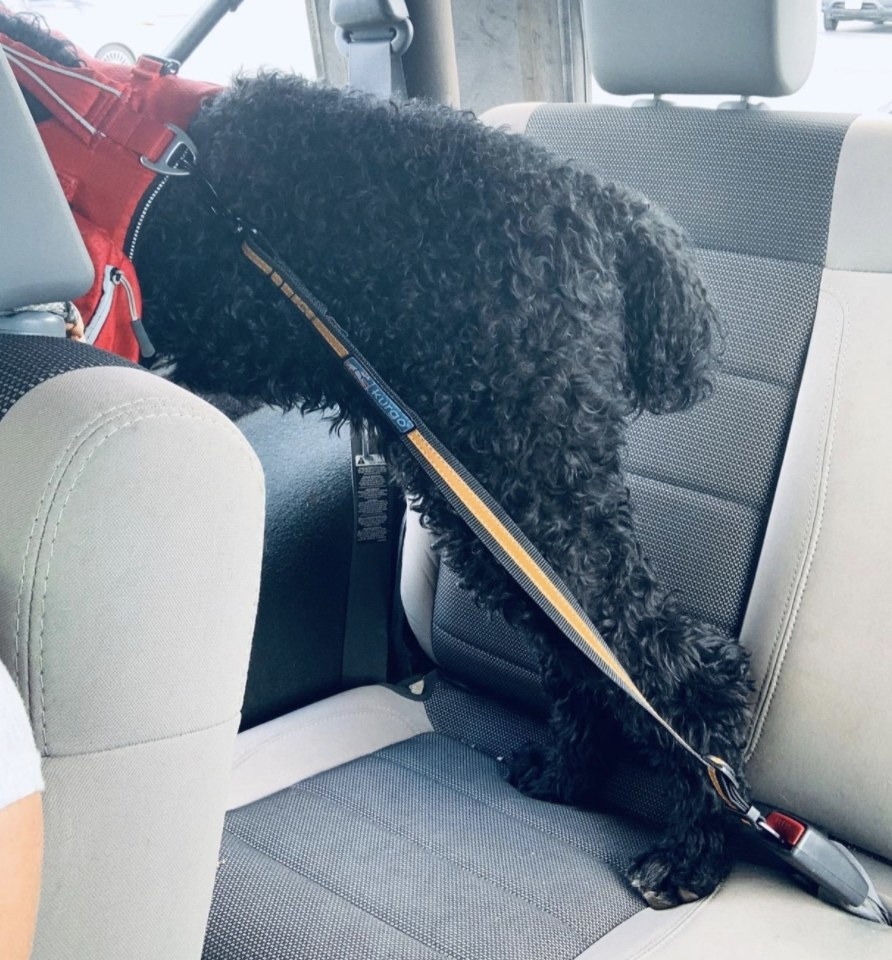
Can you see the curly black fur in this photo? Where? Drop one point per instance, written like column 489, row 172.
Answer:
column 526, row 310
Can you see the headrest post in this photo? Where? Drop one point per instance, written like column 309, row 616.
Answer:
column 744, row 103
column 657, row 100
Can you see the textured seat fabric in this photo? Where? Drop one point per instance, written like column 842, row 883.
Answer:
column 127, row 596
column 442, row 858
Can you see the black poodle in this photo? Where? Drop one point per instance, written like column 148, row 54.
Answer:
column 526, row 310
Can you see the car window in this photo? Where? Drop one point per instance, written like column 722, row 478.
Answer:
column 852, row 72
column 261, row 33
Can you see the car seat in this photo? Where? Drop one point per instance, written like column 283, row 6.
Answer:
column 377, row 823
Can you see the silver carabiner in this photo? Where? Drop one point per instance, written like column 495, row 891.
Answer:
column 164, row 164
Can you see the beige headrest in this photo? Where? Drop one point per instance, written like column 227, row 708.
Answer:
column 739, row 47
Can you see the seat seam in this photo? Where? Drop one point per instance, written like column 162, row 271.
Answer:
column 499, row 809
column 116, row 427
column 320, row 721
column 702, row 491
column 345, row 804
column 731, row 372
column 443, row 951
column 673, row 931
column 170, row 738
column 802, row 573
column 759, row 256
column 488, row 653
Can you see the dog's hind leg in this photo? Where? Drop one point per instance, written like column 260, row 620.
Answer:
column 583, row 738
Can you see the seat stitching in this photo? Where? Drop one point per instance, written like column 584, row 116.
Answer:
column 166, row 738
column 488, row 653
column 731, row 372
column 601, row 858
column 443, row 951
column 702, row 491
column 810, row 540
column 666, row 935
column 367, row 815
column 61, row 464
column 744, row 254
column 181, row 414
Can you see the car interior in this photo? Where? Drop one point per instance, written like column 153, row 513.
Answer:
column 266, row 737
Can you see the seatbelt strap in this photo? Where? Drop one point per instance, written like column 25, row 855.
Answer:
column 838, row 876
column 366, row 628
column 373, row 35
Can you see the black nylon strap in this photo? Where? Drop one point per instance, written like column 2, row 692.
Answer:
column 366, row 633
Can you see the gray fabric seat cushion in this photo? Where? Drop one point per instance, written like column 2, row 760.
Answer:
column 418, row 850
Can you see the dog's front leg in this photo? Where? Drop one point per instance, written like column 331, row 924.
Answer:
column 691, row 859
column 698, row 680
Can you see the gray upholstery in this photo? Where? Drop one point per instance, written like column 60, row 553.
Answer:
column 442, row 858
column 819, row 614
column 34, row 214
column 755, row 47
column 131, row 525
column 300, row 744
column 130, row 537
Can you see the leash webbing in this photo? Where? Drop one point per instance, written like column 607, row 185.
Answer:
column 483, row 514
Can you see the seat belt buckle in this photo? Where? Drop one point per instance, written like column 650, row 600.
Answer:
column 839, row 877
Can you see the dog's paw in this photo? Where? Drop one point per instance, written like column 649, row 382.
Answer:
column 529, row 770
column 671, row 875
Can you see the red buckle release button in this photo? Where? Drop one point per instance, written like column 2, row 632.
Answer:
column 790, row 830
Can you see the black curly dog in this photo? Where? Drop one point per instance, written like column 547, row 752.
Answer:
column 526, row 310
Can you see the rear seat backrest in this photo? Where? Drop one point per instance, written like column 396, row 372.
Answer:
column 702, row 481
column 786, row 216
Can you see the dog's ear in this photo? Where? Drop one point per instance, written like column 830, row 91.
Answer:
column 671, row 330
